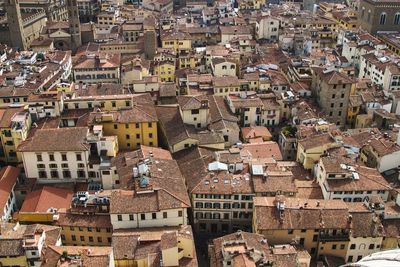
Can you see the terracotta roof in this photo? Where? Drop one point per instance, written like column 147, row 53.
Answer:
column 169, row 240
column 192, row 102
column 60, row 139
column 226, row 81
column 89, row 256
column 263, row 150
column 8, row 179
column 45, row 198
column 67, row 218
column 164, row 176
column 316, row 141
column 335, row 77
column 274, row 184
column 171, row 122
column 6, row 115
column 256, row 131
column 301, row 214
column 366, row 224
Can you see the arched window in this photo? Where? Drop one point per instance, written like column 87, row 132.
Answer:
column 382, row 19
column 397, row 18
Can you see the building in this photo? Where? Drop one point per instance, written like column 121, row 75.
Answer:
column 173, row 246
column 322, row 227
column 42, row 205
column 134, row 125
column 74, row 24
column 223, row 67
column 9, row 177
column 56, row 154
column 103, row 68
column 87, row 221
column 165, row 70
column 341, row 178
column 15, row 125
column 375, row 16
column 367, row 230
column 157, row 195
column 177, row 41
column 24, row 245
column 256, row 134
column 78, row 255
column 246, row 249
column 174, row 136
column 381, row 153
column 310, row 149
column 332, row 94
column 194, row 110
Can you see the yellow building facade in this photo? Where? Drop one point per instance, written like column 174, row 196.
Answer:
column 14, row 128
column 165, row 70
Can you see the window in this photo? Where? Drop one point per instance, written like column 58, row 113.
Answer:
column 64, row 157
column 53, row 166
column 39, row 157
column 54, row 174
column 137, row 136
column 42, row 174
column 82, row 238
column 165, row 215
column 195, row 111
column 90, row 238
column 119, row 217
column 80, row 229
column 143, row 216
column 66, row 174
column 350, row 259
column 315, row 238
column 382, row 19
column 396, row 19
column 41, row 166
column 78, row 157
column 334, row 247
column 98, row 229
column 150, row 124
column 131, row 217
column 353, row 246
column 150, row 135
column 115, row 126
column 232, row 67
column 180, row 213
column 90, row 229
column 371, row 246
column 290, row 231
column 342, row 95
column 99, row 239
column 51, row 157
column 73, row 237
column 154, row 215
column 137, row 125
column 333, row 96
column 128, row 136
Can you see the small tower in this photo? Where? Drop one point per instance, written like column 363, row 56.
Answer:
column 74, row 25
column 15, row 24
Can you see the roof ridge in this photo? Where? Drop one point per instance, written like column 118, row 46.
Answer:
column 5, row 172
column 163, row 189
